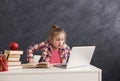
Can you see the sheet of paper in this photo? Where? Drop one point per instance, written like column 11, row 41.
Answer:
column 36, row 58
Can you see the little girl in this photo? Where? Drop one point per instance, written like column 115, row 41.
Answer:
column 54, row 50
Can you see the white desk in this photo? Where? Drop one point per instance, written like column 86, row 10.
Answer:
column 89, row 73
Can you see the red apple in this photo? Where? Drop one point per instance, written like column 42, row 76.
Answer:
column 13, row 46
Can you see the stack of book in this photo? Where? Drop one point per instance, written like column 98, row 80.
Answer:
column 13, row 57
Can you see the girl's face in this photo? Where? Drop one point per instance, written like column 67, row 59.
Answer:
column 58, row 41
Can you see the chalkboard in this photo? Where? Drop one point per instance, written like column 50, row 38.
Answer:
column 86, row 22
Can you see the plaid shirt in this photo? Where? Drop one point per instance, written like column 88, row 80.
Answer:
column 45, row 48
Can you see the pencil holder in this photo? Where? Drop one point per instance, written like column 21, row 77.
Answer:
column 3, row 63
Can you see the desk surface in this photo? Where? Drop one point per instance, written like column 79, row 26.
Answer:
column 88, row 73
column 89, row 68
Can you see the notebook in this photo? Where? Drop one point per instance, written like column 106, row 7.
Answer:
column 80, row 56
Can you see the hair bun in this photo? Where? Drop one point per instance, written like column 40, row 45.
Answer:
column 55, row 27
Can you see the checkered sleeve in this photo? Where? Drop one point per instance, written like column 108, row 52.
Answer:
column 32, row 49
column 65, row 53
column 30, row 52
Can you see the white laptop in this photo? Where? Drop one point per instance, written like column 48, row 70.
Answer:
column 80, row 56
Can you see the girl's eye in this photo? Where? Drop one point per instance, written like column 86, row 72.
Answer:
column 57, row 39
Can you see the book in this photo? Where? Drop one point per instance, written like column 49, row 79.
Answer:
column 13, row 52
column 14, row 67
column 43, row 65
column 12, row 63
column 13, row 59
column 13, row 55
column 36, row 65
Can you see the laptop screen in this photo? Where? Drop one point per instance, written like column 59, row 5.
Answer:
column 80, row 56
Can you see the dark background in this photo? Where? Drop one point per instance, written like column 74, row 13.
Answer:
column 86, row 22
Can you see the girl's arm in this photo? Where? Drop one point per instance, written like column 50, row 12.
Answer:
column 32, row 49
column 30, row 52
column 65, row 54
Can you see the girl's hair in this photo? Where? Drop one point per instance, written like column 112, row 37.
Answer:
column 55, row 30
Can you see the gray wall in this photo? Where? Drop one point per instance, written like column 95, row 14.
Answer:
column 87, row 22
